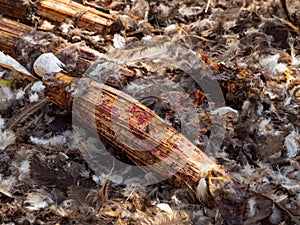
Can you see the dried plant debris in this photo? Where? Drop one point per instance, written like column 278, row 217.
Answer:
column 250, row 48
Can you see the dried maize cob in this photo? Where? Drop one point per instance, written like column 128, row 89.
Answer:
column 145, row 137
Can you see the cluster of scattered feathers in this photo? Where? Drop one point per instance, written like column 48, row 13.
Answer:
column 45, row 179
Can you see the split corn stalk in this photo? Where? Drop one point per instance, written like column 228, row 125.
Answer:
column 10, row 31
column 60, row 10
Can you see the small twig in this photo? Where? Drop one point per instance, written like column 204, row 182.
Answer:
column 86, row 3
column 289, row 24
column 207, row 6
column 195, row 36
column 286, row 10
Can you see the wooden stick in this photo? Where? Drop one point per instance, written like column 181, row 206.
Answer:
column 60, row 10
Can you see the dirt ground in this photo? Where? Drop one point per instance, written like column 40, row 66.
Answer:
column 251, row 48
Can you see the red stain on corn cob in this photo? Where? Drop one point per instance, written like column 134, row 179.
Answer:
column 139, row 118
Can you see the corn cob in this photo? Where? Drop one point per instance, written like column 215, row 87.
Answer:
column 146, row 139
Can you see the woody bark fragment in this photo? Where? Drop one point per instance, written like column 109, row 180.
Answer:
column 60, row 10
